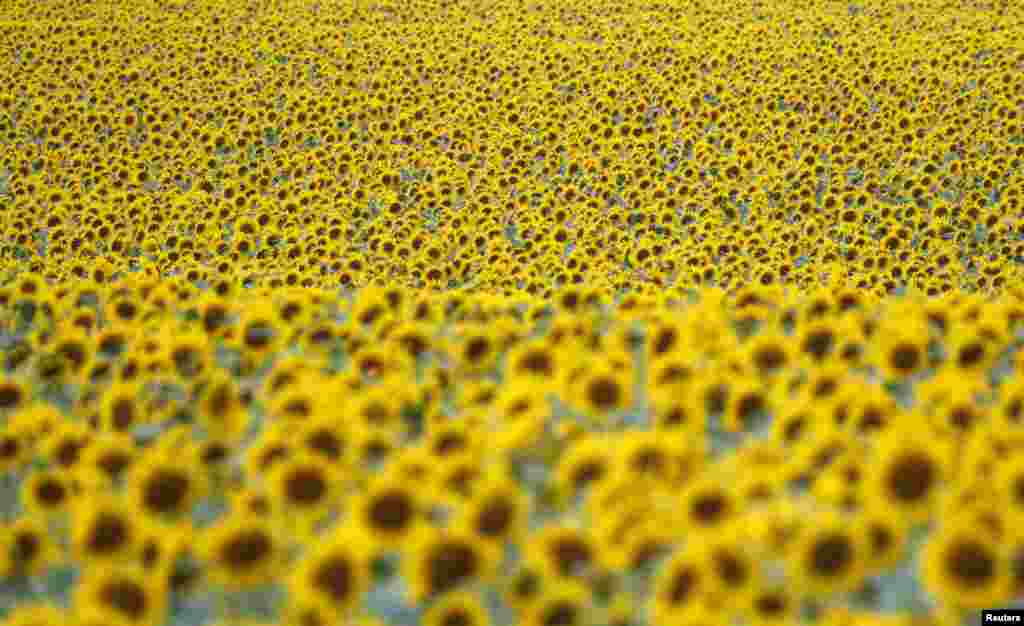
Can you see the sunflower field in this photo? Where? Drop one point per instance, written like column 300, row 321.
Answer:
column 496, row 312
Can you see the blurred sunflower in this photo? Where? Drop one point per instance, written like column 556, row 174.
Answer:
column 442, row 560
column 909, row 473
column 122, row 595
column 457, row 609
column 707, row 504
column 586, row 462
column 498, row 510
column 305, row 486
column 164, row 486
column 30, row 547
column 242, row 551
column 565, row 550
column 965, row 568
column 682, row 586
column 563, row 602
column 390, row 510
column 828, row 556
column 603, row 392
column 105, row 529
column 48, row 492
column 901, row 348
column 335, row 572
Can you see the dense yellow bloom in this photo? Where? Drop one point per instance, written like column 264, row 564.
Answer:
column 700, row 310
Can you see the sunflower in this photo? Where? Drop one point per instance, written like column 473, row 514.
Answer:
column 457, row 609
column 165, row 486
column 674, row 410
column 335, row 573
column 708, row 504
column 112, row 454
column 120, row 410
column 604, row 391
column 105, row 530
column 273, row 446
column 260, row 331
column 768, row 353
column 563, row 603
column 682, row 586
column 909, row 473
column 36, row 421
column 13, row 394
column 586, row 462
column 902, row 348
column 647, row 543
column 390, row 510
column 453, row 438
column 327, row 438
column 565, row 550
column 441, row 560
column 966, row 568
column 828, row 555
column 477, row 351
column 774, row 605
column 414, row 338
column 498, row 510
column 672, row 372
column 519, row 415
column 242, row 551
column 122, row 595
column 309, row 610
column 524, row 586
column 15, row 447
column 30, row 546
column 378, row 407
column 536, row 363
column 748, row 407
column 1009, row 484
column 305, row 486
column 48, row 492
column 817, row 340
column 734, row 569
column 300, row 402
column 458, row 475
column 220, row 409
column 652, row 454
column 65, row 444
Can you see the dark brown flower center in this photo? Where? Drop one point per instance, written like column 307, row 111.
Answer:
column 109, row 533
column 831, row 555
column 560, row 614
column 51, row 492
column 494, row 519
column 604, row 393
column 683, row 584
column 971, row 563
column 450, row 565
column 165, row 491
column 457, row 617
column 911, row 477
column 126, row 596
column 905, row 357
column 571, row 555
column 26, row 547
column 247, row 549
column 334, row 577
column 709, row 509
column 391, row 511
column 305, row 486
